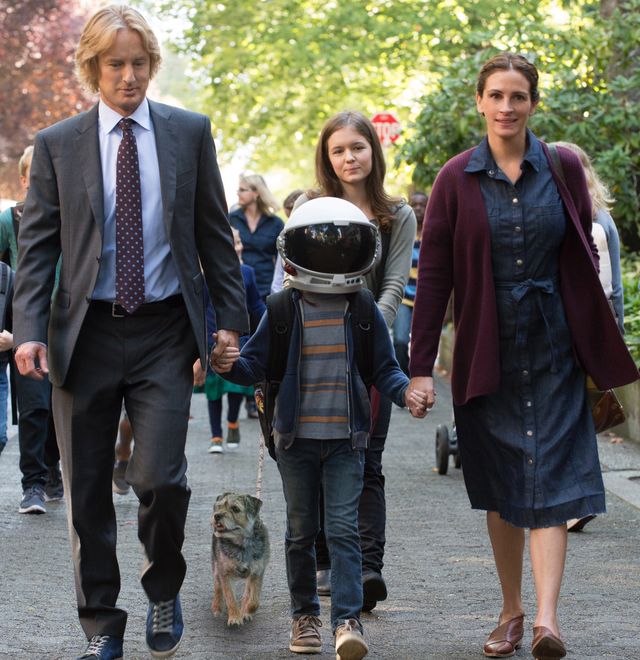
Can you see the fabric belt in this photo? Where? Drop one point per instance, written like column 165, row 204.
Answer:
column 519, row 290
column 146, row 309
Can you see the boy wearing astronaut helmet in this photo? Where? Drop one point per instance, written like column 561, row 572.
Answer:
column 322, row 414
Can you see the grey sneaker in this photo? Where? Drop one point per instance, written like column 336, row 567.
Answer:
column 233, row 437
column 118, row 482
column 305, row 634
column 350, row 644
column 53, row 489
column 32, row 500
column 216, row 446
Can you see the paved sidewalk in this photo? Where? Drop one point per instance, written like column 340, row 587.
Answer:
column 443, row 596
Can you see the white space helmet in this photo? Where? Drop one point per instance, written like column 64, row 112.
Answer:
column 327, row 245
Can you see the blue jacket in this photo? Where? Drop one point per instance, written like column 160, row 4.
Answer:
column 259, row 248
column 388, row 378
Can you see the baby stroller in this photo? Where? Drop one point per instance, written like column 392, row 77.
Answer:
column 446, row 444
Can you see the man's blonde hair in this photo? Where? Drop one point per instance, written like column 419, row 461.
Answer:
column 25, row 160
column 100, row 33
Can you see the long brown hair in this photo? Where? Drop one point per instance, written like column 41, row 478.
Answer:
column 382, row 204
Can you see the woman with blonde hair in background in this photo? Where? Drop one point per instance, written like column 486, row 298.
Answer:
column 259, row 228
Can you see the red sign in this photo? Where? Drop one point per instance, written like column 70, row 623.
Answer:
column 387, row 127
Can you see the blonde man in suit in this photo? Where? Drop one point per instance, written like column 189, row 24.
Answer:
column 137, row 213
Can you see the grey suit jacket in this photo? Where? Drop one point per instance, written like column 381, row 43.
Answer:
column 64, row 216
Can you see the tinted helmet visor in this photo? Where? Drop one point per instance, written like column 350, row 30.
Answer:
column 331, row 248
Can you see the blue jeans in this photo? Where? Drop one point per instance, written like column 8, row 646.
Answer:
column 4, row 395
column 305, row 467
column 401, row 332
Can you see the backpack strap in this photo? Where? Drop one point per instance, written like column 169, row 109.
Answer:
column 362, row 306
column 280, row 315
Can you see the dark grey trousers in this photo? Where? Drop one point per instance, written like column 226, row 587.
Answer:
column 145, row 360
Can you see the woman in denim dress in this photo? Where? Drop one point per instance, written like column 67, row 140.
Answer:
column 514, row 244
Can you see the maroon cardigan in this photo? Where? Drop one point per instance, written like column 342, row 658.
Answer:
column 455, row 255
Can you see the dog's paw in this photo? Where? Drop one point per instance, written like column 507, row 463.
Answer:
column 246, row 617
column 235, row 620
column 216, row 609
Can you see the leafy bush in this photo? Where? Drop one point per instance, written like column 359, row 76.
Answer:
column 631, row 282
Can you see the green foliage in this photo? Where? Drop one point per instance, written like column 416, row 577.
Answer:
column 590, row 90
column 631, row 284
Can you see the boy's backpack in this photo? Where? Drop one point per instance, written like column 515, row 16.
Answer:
column 6, row 292
column 280, row 311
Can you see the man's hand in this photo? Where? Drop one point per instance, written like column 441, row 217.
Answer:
column 420, row 395
column 6, row 341
column 226, row 351
column 31, row 360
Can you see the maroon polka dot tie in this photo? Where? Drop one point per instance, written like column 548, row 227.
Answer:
column 129, row 245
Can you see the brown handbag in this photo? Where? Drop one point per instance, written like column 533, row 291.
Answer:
column 606, row 408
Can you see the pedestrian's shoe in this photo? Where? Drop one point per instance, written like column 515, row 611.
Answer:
column 305, row 634
column 323, row 580
column 118, row 482
column 374, row 589
column 233, row 436
column 505, row 639
column 32, row 500
column 577, row 524
column 350, row 644
column 217, row 445
column 252, row 410
column 103, row 647
column 164, row 627
column 545, row 645
column 53, row 488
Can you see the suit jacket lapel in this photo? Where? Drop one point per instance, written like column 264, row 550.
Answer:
column 87, row 149
column 167, row 148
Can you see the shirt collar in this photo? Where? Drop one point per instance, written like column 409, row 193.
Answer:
column 482, row 159
column 109, row 118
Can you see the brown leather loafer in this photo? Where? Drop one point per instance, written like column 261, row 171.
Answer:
column 505, row 639
column 545, row 645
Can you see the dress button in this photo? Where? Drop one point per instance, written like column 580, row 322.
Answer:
column 525, row 372
column 529, row 404
column 515, row 200
column 518, row 228
column 530, row 461
column 519, row 262
column 490, row 172
column 529, row 433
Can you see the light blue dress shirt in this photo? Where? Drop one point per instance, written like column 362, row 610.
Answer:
column 161, row 280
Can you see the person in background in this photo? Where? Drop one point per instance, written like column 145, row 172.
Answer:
column 39, row 454
column 128, row 197
column 350, row 165
column 278, row 274
column 402, row 325
column 514, row 245
column 213, row 385
column 605, row 234
column 259, row 227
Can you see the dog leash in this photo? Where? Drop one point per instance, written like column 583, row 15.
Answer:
column 261, row 444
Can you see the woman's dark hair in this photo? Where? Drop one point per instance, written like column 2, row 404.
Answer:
column 505, row 62
column 382, row 204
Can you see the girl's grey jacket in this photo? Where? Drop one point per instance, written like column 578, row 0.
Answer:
column 388, row 378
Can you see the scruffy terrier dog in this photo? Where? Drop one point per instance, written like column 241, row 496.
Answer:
column 239, row 549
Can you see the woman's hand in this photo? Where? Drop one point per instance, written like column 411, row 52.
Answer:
column 421, row 390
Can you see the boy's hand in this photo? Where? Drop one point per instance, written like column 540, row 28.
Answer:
column 420, row 396
column 222, row 360
column 199, row 374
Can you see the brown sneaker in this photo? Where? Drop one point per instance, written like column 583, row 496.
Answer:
column 350, row 644
column 305, row 634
